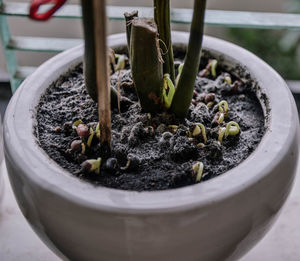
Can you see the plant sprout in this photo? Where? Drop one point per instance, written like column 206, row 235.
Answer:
column 223, row 111
column 200, row 129
column 198, row 168
column 90, row 138
column 231, row 129
column 223, row 107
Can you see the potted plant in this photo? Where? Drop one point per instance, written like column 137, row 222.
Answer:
column 213, row 220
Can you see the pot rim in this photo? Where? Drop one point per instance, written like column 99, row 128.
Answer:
column 22, row 150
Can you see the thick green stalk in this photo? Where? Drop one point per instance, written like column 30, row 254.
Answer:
column 146, row 64
column 89, row 49
column 184, row 91
column 162, row 19
column 128, row 19
column 89, row 52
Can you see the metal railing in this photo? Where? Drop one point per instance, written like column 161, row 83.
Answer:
column 11, row 44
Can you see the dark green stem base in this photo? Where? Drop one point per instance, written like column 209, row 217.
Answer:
column 184, row 91
column 146, row 64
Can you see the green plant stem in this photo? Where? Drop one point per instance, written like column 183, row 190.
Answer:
column 184, row 91
column 146, row 64
column 89, row 49
column 89, row 53
column 162, row 20
column 128, row 19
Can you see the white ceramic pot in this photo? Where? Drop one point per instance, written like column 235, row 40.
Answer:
column 219, row 219
column 1, row 160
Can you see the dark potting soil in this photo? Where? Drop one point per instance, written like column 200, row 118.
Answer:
column 161, row 149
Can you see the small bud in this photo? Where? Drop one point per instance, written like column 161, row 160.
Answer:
column 210, row 104
column 213, row 67
column 132, row 162
column 92, row 165
column 221, row 134
column 82, row 131
column 210, row 97
column 82, row 148
column 111, row 164
column 215, row 119
column 97, row 131
column 188, row 133
column 196, row 131
column 76, row 145
column 121, row 62
column 223, row 106
column 173, row 128
column 200, row 129
column 232, row 128
column 227, row 78
column 221, row 118
column 198, row 170
column 76, row 123
column 90, row 139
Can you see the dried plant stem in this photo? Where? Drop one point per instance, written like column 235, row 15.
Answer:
column 103, row 86
column 162, row 19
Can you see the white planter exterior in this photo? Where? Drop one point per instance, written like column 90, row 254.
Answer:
column 1, row 160
column 219, row 219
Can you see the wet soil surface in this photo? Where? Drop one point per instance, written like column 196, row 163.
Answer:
column 150, row 152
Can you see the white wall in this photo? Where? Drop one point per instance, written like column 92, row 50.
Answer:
column 72, row 28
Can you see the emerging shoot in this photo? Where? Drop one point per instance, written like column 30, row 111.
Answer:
column 168, row 91
column 198, row 170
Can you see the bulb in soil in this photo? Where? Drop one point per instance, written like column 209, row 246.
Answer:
column 112, row 165
column 91, row 165
column 76, row 145
column 210, row 97
column 82, row 131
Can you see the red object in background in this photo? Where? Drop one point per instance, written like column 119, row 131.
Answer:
column 35, row 5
